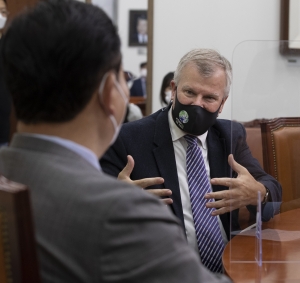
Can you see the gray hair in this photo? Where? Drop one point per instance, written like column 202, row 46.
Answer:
column 207, row 61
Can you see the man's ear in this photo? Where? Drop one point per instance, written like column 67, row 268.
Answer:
column 105, row 93
column 173, row 89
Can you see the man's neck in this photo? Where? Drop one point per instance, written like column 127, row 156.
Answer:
column 83, row 134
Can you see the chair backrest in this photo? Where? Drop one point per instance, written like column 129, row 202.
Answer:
column 281, row 153
column 18, row 258
column 254, row 139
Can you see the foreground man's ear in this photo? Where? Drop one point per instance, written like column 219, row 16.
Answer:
column 105, row 93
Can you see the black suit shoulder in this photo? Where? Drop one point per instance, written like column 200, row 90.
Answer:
column 5, row 108
column 135, row 138
column 138, row 128
column 228, row 127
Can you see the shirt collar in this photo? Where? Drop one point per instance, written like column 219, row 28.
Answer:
column 83, row 151
column 177, row 133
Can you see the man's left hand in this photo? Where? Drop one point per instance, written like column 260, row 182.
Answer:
column 242, row 190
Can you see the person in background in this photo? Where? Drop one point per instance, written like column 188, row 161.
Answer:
column 3, row 14
column 5, row 100
column 139, row 85
column 70, row 103
column 166, row 90
column 133, row 112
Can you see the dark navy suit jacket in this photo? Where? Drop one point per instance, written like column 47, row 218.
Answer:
column 5, row 109
column 137, row 88
column 149, row 142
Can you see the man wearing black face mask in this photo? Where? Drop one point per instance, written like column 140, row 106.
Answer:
column 167, row 143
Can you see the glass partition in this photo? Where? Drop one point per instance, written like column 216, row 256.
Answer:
column 265, row 99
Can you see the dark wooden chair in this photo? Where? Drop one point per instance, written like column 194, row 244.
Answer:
column 254, row 140
column 281, row 155
column 140, row 101
column 18, row 258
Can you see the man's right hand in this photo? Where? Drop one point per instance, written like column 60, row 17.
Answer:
column 124, row 175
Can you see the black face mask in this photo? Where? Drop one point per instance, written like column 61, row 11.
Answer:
column 193, row 119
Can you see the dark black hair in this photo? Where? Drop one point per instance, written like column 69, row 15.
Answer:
column 143, row 65
column 165, row 83
column 55, row 55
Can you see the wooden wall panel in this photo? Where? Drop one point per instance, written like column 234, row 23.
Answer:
column 16, row 6
column 150, row 57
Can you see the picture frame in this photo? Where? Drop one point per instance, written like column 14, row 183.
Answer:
column 290, row 28
column 138, row 28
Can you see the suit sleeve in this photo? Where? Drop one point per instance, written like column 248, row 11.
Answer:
column 146, row 244
column 244, row 157
column 115, row 158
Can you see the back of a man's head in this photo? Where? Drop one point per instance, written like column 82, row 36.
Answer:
column 54, row 56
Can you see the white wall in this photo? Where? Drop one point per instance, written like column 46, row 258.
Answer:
column 132, row 56
column 108, row 6
column 118, row 10
column 180, row 25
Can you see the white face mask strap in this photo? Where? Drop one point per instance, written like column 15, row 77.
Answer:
column 114, row 121
column 2, row 21
column 117, row 84
column 112, row 117
column 103, row 81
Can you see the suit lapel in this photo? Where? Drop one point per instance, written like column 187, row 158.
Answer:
column 165, row 159
column 217, row 158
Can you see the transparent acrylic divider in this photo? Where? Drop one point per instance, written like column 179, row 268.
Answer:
column 266, row 86
column 258, row 255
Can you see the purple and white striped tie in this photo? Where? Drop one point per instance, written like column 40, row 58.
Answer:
column 209, row 237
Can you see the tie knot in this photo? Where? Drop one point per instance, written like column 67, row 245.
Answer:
column 191, row 140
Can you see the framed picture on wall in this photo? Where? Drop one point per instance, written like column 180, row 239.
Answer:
column 138, row 28
column 290, row 27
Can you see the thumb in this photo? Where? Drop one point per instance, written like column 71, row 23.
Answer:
column 234, row 165
column 129, row 166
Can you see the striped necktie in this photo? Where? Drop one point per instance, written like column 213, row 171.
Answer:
column 209, row 237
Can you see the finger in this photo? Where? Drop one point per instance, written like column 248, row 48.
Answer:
column 167, row 201
column 226, row 194
column 147, row 182
column 129, row 166
column 227, row 182
column 234, row 165
column 217, row 204
column 222, row 210
column 222, row 206
column 160, row 192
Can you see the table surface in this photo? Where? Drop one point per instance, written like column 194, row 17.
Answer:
column 280, row 260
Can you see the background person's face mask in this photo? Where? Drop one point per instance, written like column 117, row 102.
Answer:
column 112, row 118
column 143, row 72
column 193, row 119
column 2, row 21
column 168, row 95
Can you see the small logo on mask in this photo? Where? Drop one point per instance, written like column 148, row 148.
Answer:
column 179, row 124
column 183, row 116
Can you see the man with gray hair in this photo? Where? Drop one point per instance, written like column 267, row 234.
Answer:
column 197, row 157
